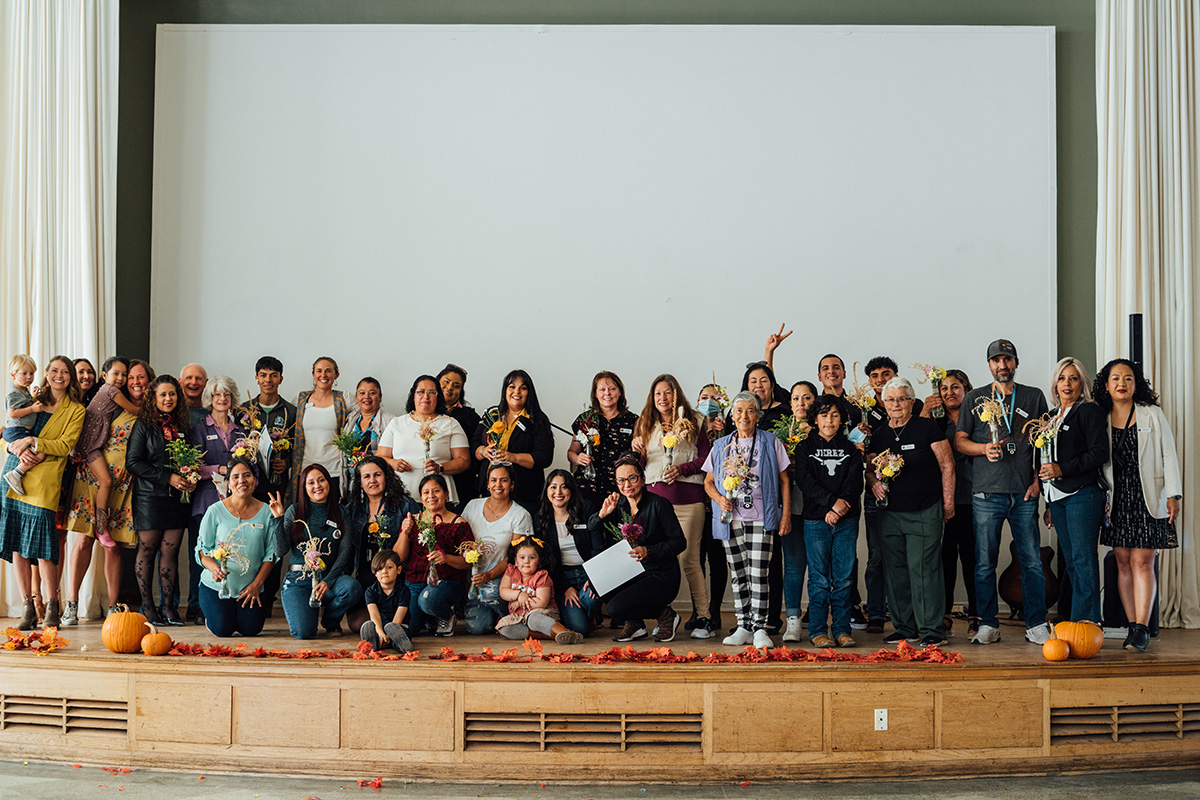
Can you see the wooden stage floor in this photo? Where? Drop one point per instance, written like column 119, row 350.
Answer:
column 1004, row 710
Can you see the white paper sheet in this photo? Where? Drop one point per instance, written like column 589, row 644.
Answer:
column 612, row 568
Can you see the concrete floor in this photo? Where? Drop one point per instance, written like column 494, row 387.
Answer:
column 34, row 781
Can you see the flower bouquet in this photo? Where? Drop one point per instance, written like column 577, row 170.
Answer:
column 184, row 460
column 230, row 551
column 934, row 375
column 377, row 528
column 626, row 529
column 474, row 552
column 680, row 428
column 494, row 428
column 314, row 549
column 587, row 433
column 791, row 430
column 990, row 411
column 427, row 537
column 353, row 447
column 737, row 477
column 1042, row 432
column 887, row 466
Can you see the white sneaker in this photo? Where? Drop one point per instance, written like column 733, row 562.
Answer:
column 762, row 639
column 792, row 632
column 70, row 615
column 1039, row 634
column 445, row 627
column 986, row 635
column 738, row 638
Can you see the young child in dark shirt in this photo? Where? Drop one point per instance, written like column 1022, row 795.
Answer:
column 387, row 604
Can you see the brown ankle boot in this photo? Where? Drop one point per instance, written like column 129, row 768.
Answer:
column 28, row 616
column 39, row 608
column 53, row 615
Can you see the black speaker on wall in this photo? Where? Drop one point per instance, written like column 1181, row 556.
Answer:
column 1135, row 339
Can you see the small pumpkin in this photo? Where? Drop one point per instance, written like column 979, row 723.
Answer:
column 123, row 630
column 156, row 642
column 1084, row 638
column 1055, row 649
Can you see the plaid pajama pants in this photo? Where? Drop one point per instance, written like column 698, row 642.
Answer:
column 748, row 551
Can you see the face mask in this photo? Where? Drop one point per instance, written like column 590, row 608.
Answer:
column 709, row 408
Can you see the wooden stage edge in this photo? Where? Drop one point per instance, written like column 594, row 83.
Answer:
column 1005, row 711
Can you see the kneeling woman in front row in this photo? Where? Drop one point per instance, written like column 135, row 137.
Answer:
column 316, row 515
column 236, row 547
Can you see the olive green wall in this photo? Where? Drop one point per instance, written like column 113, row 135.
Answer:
column 1074, row 21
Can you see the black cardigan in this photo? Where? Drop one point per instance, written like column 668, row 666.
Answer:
column 532, row 436
column 1082, row 448
column 146, row 460
column 661, row 535
column 588, row 542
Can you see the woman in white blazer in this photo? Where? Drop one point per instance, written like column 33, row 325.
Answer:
column 1145, row 487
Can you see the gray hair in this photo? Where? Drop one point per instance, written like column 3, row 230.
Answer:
column 898, row 383
column 748, row 397
column 221, row 383
column 1084, row 380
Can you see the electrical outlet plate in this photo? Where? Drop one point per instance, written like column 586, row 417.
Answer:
column 881, row 719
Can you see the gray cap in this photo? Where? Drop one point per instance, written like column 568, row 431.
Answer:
column 1001, row 347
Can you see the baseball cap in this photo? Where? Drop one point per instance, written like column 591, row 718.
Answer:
column 1001, row 347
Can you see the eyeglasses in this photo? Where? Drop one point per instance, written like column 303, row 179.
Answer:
column 630, row 479
column 427, row 392
column 897, row 399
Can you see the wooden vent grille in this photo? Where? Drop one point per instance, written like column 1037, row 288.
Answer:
column 1124, row 723
column 603, row 732
column 63, row 715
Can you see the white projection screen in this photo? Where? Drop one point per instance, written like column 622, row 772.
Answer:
column 567, row 199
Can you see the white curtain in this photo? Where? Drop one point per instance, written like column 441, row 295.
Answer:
column 58, row 157
column 1148, row 234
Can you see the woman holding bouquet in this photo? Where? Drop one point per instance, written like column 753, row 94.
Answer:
column 425, row 440
column 746, row 476
column 672, row 441
column 321, row 414
column 160, row 513
column 236, row 549
column 373, row 513
column 495, row 521
column 1073, row 487
column 319, row 549
column 436, row 574
column 517, row 432
column 1146, row 487
column 607, row 428
column 913, row 504
column 791, row 430
column 648, row 523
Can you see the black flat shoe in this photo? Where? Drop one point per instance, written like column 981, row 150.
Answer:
column 1128, row 636
column 151, row 614
column 1139, row 638
column 170, row 616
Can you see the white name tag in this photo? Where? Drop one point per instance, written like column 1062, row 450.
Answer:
column 627, row 430
column 1143, row 430
column 520, row 425
column 331, row 523
column 580, row 527
column 212, row 437
column 1066, row 427
column 908, row 447
column 256, row 526
column 1022, row 412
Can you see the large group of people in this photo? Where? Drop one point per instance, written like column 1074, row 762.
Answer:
column 401, row 526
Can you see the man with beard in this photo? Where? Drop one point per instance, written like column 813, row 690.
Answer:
column 1005, row 489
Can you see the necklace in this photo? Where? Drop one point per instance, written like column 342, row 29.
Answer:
column 896, row 432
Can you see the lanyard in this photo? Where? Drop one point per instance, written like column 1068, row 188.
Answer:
column 747, row 501
column 1012, row 404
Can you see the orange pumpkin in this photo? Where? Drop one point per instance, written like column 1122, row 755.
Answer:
column 1084, row 638
column 156, row 643
column 122, row 631
column 1056, row 649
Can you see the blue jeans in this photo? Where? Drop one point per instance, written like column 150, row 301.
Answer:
column 990, row 511
column 433, row 601
column 483, row 611
column 795, row 562
column 225, row 617
column 344, row 593
column 830, row 550
column 1077, row 520
column 578, row 619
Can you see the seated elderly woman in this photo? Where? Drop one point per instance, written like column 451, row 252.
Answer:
column 914, row 497
column 236, row 549
column 746, row 477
